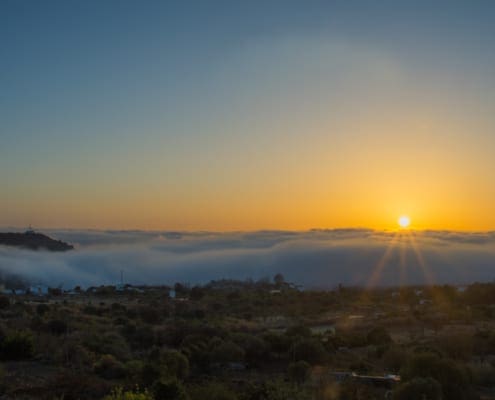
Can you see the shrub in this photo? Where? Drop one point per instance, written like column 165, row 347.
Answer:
column 419, row 388
column 175, row 363
column 4, row 302
column 452, row 378
column 299, row 371
column 119, row 394
column 310, row 350
column 298, row 331
column 109, row 367
column 378, row 336
column 226, row 352
column 211, row 391
column 17, row 346
column 57, row 327
column 150, row 314
column 42, row 309
column 170, row 389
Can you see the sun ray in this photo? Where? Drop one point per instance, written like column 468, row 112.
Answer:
column 376, row 273
column 428, row 275
column 402, row 264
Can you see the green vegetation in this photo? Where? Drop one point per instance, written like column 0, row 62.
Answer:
column 248, row 340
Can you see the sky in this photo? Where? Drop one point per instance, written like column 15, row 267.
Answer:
column 230, row 115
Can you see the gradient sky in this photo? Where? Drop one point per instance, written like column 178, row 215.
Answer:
column 230, row 115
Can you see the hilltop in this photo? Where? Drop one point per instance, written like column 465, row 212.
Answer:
column 33, row 241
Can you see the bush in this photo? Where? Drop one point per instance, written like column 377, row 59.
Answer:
column 277, row 343
column 42, row 309
column 310, row 350
column 419, row 388
column 119, row 394
column 211, row 391
column 298, row 331
column 4, row 302
column 280, row 390
column 452, row 378
column 17, row 346
column 175, row 363
column 57, row 327
column 299, row 371
column 150, row 314
column 226, row 352
column 394, row 358
column 109, row 343
column 108, row 367
column 378, row 336
column 170, row 389
column 484, row 375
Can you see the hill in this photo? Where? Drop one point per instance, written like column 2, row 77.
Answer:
column 33, row 241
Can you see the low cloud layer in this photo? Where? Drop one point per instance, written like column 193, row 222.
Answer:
column 315, row 259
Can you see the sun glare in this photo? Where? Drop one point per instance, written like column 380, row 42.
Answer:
column 404, row 221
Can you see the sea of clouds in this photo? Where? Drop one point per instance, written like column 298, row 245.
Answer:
column 314, row 259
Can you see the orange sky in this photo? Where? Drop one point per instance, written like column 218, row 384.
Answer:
column 295, row 128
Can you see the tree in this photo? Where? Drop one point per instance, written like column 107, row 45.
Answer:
column 254, row 347
column 309, row 350
column 394, row 358
column 299, row 371
column 17, row 346
column 170, row 389
column 4, row 302
column 197, row 293
column 57, row 327
column 298, row 331
column 175, row 363
column 280, row 390
column 109, row 367
column 181, row 290
column 211, row 391
column 277, row 343
column 457, row 346
column 453, row 379
column 279, row 279
column 42, row 309
column 378, row 336
column 119, row 394
column 419, row 389
column 226, row 352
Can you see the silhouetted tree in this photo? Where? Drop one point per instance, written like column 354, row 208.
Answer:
column 279, row 279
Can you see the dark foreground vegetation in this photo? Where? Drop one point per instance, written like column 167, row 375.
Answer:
column 249, row 341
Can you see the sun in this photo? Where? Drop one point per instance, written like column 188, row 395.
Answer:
column 404, row 221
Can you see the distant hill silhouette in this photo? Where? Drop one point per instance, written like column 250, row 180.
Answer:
column 33, row 241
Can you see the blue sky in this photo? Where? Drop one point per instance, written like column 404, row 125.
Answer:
column 102, row 101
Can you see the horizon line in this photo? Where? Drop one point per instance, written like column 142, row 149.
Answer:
column 314, row 229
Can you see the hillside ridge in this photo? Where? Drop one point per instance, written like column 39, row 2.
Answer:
column 33, row 241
